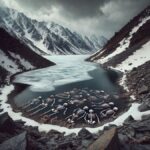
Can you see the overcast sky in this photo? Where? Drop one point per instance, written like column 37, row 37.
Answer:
column 100, row 17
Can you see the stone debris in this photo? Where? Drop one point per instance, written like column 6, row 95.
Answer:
column 18, row 142
column 144, row 89
column 132, row 135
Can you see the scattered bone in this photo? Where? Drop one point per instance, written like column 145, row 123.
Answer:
column 105, row 105
column 110, row 112
column 111, row 103
column 85, row 107
column 60, row 107
column 115, row 108
column 78, row 105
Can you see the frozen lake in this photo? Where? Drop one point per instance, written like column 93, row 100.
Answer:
column 68, row 69
column 71, row 85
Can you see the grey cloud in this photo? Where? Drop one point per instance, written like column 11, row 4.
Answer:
column 85, row 16
column 71, row 8
column 82, row 8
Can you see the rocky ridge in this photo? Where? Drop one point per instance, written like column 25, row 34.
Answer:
column 16, row 57
column 125, row 42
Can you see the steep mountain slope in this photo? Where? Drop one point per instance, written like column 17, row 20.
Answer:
column 130, row 47
column 16, row 56
column 47, row 38
column 3, row 75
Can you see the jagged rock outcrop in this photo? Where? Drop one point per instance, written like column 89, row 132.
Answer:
column 18, row 142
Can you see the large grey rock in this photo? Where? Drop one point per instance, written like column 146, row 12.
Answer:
column 18, row 142
column 6, row 123
column 135, row 147
column 85, row 134
column 143, row 90
column 129, row 120
column 145, row 105
column 141, row 126
column 108, row 141
column 146, row 117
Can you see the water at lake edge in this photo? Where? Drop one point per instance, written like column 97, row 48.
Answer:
column 69, row 73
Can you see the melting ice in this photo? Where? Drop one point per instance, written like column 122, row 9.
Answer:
column 69, row 69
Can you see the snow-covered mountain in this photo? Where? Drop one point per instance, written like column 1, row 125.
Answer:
column 128, row 48
column 48, row 38
column 17, row 57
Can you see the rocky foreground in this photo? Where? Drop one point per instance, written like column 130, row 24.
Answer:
column 133, row 135
column 138, row 82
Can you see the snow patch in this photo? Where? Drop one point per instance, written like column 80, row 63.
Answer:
column 8, row 64
column 138, row 58
column 22, row 61
column 38, row 44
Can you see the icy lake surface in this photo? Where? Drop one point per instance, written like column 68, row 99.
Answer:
column 72, row 84
column 68, row 69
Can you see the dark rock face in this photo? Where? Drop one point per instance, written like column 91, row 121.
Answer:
column 10, row 44
column 129, row 120
column 135, row 147
column 145, row 105
column 138, row 82
column 3, row 75
column 6, row 123
column 108, row 141
column 135, row 134
column 32, row 139
column 143, row 90
column 85, row 134
column 18, row 142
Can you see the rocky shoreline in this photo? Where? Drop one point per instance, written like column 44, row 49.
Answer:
column 111, row 101
column 75, row 98
column 132, row 135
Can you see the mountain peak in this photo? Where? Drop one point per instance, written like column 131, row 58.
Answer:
column 47, row 37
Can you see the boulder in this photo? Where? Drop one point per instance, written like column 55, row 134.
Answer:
column 143, row 107
column 141, row 126
column 138, row 147
column 146, row 117
column 18, row 142
column 64, row 145
column 129, row 120
column 108, row 141
column 85, row 134
column 130, row 64
column 6, row 123
column 143, row 90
